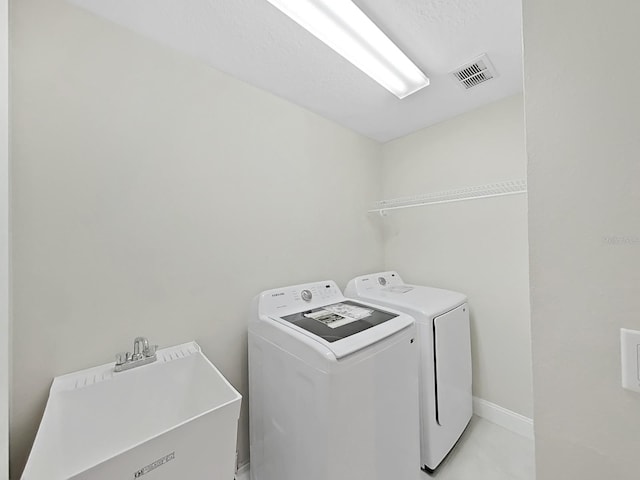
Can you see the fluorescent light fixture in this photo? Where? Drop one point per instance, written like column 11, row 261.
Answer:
column 347, row 30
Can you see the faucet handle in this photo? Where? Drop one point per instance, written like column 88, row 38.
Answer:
column 122, row 358
column 150, row 351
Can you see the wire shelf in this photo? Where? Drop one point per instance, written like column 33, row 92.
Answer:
column 513, row 187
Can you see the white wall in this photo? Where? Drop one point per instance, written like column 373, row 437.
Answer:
column 4, row 239
column 477, row 247
column 583, row 143
column 153, row 195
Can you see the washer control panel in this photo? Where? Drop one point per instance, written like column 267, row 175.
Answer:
column 297, row 298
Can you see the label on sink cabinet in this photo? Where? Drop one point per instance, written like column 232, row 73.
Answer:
column 153, row 465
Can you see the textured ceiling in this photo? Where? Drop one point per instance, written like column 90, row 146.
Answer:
column 255, row 42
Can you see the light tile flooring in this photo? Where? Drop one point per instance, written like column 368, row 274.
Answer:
column 485, row 452
column 488, row 452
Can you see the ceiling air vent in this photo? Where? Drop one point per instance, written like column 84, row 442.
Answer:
column 475, row 73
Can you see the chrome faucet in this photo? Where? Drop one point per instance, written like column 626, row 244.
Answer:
column 137, row 353
column 143, row 353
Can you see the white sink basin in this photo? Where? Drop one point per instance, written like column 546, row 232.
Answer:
column 176, row 417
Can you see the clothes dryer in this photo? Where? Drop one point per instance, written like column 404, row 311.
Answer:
column 442, row 320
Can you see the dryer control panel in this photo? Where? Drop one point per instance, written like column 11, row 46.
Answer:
column 282, row 301
column 382, row 281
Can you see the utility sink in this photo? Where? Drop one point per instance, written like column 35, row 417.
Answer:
column 174, row 418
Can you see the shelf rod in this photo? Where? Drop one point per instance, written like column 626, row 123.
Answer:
column 515, row 187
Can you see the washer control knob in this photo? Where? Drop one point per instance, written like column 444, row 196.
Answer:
column 382, row 281
column 306, row 295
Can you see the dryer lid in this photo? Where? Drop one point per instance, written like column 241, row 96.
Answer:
column 387, row 288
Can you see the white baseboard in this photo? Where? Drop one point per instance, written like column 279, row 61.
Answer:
column 243, row 472
column 505, row 418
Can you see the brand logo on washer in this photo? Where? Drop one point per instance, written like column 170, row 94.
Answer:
column 277, row 294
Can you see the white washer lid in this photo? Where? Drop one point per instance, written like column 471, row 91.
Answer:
column 352, row 336
column 288, row 307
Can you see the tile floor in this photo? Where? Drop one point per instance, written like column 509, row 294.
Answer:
column 488, row 452
column 485, row 452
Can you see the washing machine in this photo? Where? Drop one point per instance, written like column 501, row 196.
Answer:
column 442, row 320
column 332, row 387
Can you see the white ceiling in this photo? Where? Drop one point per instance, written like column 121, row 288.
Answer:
column 255, row 42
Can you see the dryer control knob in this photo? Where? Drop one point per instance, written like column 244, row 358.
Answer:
column 306, row 295
column 382, row 281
